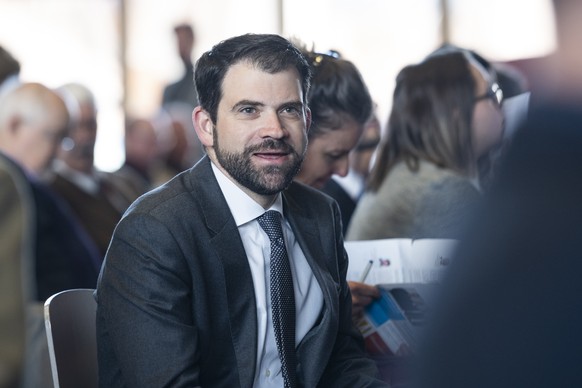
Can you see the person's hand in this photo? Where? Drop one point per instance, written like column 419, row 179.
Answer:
column 362, row 295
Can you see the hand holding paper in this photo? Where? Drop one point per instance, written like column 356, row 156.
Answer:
column 362, row 295
column 403, row 273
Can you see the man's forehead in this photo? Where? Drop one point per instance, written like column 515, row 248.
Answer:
column 246, row 81
column 250, row 68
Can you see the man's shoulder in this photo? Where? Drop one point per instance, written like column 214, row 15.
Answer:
column 179, row 195
column 10, row 170
column 308, row 197
column 172, row 190
column 15, row 186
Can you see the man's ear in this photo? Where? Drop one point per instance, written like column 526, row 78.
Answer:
column 204, row 126
column 14, row 125
column 307, row 119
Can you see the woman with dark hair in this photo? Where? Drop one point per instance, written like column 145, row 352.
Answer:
column 446, row 117
column 340, row 105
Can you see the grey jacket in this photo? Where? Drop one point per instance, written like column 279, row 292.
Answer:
column 430, row 203
column 176, row 304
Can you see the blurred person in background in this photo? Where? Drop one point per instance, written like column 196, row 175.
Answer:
column 516, row 322
column 34, row 120
column 44, row 250
column 16, row 240
column 179, row 147
column 141, row 155
column 97, row 198
column 348, row 189
column 341, row 107
column 516, row 97
column 9, row 71
column 183, row 90
column 182, row 148
column 446, row 117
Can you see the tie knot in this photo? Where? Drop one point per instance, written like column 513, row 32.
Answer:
column 270, row 221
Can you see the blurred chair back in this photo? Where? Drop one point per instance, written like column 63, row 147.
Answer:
column 72, row 340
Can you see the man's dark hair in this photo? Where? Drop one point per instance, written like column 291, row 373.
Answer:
column 270, row 53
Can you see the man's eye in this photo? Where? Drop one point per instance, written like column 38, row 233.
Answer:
column 291, row 111
column 248, row 109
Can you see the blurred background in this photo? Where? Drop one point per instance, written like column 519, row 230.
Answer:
column 125, row 50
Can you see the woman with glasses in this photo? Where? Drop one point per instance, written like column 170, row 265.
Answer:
column 446, row 118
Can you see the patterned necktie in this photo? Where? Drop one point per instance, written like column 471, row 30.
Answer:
column 282, row 297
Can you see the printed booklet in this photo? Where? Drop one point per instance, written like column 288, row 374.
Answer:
column 407, row 272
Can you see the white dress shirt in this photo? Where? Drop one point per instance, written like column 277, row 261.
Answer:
column 308, row 294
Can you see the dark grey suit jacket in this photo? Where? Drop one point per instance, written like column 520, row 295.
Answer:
column 176, row 304
column 509, row 312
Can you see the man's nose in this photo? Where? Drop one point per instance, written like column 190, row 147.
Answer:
column 272, row 126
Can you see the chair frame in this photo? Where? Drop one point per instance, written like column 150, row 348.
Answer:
column 72, row 340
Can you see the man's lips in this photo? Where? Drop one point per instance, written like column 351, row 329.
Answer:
column 270, row 154
column 272, row 151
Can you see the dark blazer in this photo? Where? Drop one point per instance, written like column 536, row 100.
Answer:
column 509, row 314
column 99, row 213
column 346, row 203
column 16, row 255
column 64, row 256
column 42, row 251
column 176, row 304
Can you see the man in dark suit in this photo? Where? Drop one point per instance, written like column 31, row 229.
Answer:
column 509, row 314
column 186, row 293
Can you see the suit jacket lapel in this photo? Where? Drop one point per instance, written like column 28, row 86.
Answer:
column 307, row 233
column 238, row 279
column 312, row 356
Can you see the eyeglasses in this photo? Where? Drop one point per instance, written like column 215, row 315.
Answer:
column 494, row 93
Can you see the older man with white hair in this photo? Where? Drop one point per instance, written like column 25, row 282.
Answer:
column 98, row 198
column 43, row 250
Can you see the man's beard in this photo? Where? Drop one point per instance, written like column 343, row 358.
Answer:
column 267, row 180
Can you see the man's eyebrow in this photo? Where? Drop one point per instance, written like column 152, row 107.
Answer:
column 296, row 104
column 244, row 103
